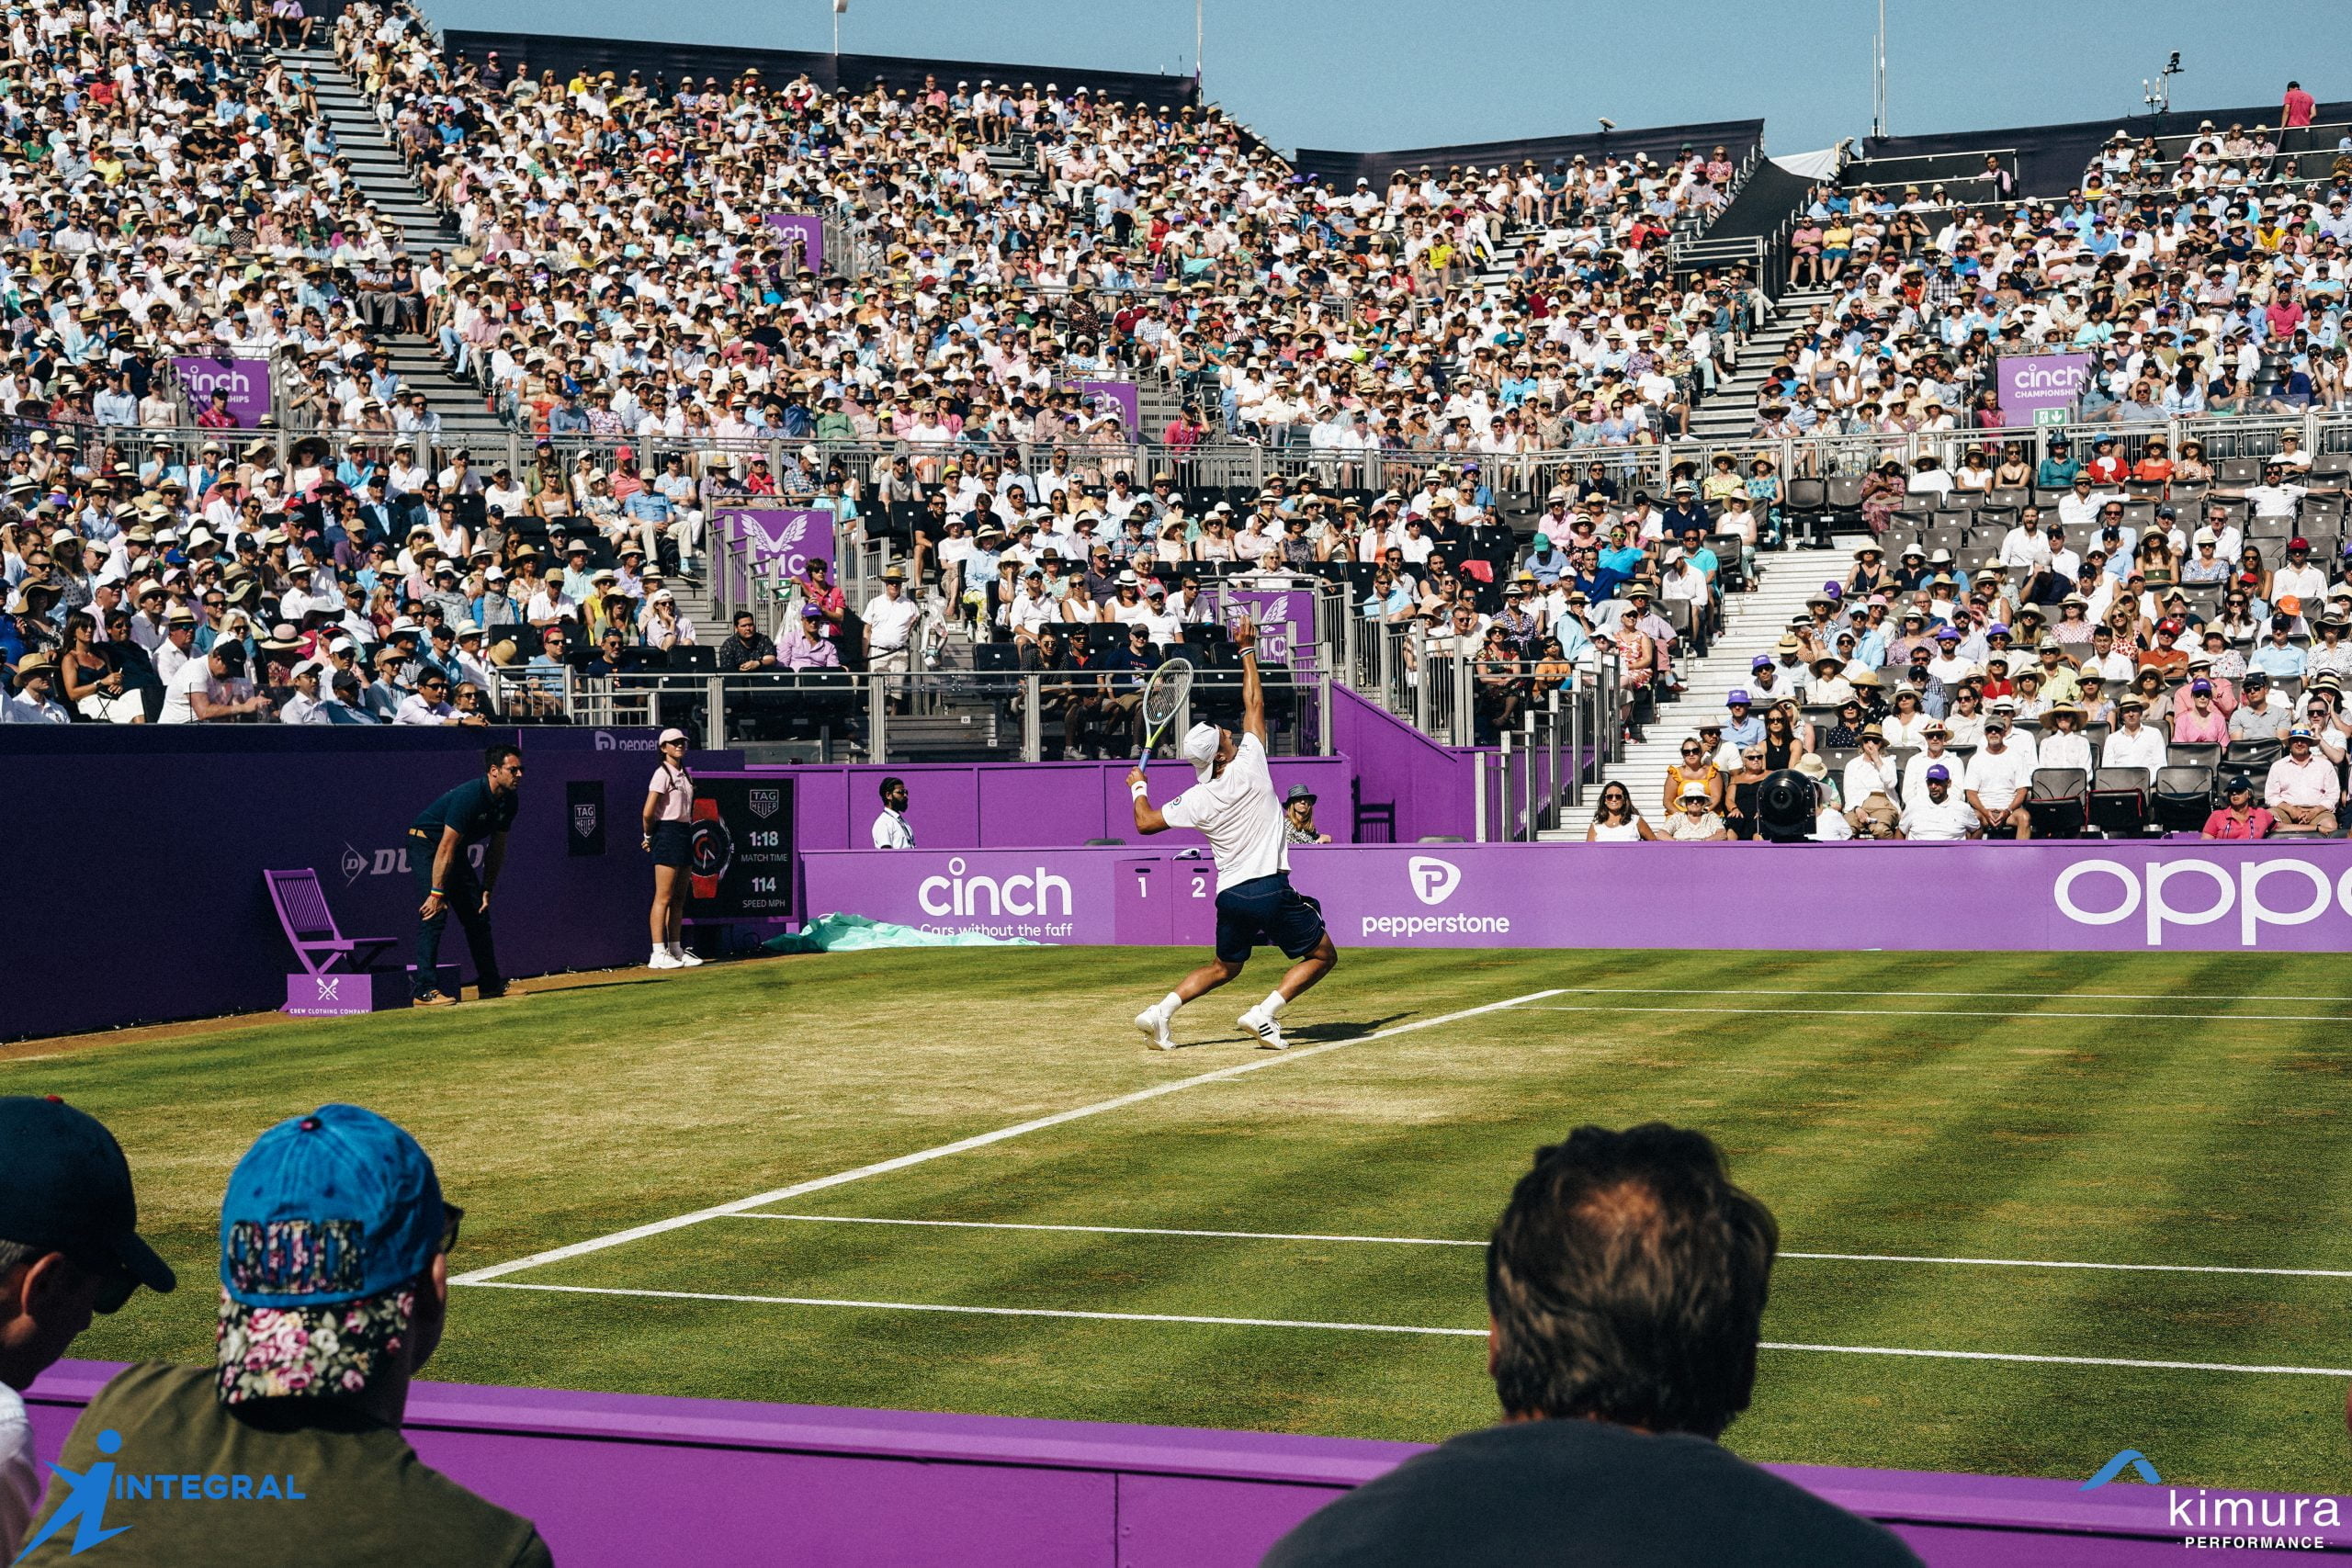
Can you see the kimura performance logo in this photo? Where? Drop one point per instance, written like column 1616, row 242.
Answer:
column 2211, row 1519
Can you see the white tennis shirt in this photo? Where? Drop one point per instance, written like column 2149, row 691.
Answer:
column 1237, row 811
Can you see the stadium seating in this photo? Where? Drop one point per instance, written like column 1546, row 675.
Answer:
column 1429, row 374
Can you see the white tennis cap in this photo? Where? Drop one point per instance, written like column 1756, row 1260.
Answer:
column 1200, row 747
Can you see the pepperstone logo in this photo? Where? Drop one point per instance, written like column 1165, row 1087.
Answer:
column 1433, row 880
column 87, row 1493
column 608, row 741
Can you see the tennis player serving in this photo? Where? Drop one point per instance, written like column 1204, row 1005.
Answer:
column 1234, row 804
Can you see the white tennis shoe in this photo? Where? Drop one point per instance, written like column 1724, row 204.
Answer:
column 686, row 956
column 661, row 959
column 1154, row 1024
column 1268, row 1030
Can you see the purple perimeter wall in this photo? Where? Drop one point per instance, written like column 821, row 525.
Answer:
column 2086, row 896
column 615, row 1480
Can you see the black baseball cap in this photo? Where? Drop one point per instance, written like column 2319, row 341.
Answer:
column 65, row 1187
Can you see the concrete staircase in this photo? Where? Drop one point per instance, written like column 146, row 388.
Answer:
column 1754, row 622
column 1728, row 413
column 376, row 167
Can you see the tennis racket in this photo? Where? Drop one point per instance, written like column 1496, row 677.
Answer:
column 1163, row 699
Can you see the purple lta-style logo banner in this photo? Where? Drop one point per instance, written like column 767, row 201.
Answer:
column 802, row 235
column 1285, row 620
column 246, row 382
column 1112, row 396
column 789, row 536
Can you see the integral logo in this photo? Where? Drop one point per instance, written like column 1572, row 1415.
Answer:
column 1433, row 880
column 2132, row 1460
column 763, row 803
column 87, row 1491
column 584, row 820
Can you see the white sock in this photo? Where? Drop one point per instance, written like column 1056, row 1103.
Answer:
column 661, row 953
column 1273, row 1004
column 1168, row 1005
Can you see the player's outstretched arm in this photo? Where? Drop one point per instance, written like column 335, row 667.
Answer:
column 1253, row 691
column 1147, row 817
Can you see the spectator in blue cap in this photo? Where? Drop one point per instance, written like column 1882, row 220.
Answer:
column 69, row 1249
column 335, row 1289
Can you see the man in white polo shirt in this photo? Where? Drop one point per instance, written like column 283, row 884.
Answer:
column 1938, row 814
column 889, row 618
column 1997, row 778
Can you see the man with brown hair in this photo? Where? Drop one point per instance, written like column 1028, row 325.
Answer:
column 1625, row 1287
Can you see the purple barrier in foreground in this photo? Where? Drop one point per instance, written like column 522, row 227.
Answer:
column 962, row 806
column 2293, row 897
column 633, row 1480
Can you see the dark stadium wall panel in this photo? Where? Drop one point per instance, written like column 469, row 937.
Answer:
column 565, row 55
column 142, row 849
column 1736, row 137
column 2051, row 158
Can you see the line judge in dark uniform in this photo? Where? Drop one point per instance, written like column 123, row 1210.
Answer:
column 478, row 810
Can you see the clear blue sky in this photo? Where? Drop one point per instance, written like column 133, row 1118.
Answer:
column 1373, row 75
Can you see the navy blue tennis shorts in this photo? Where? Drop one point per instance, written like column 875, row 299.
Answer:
column 1266, row 911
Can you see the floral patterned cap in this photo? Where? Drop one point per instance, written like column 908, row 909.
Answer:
column 313, row 1352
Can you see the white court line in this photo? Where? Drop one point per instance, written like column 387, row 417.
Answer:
column 1952, row 1012
column 1375, row 1327
column 1452, row 1241
column 1122, row 1230
column 963, row 1145
column 1897, row 996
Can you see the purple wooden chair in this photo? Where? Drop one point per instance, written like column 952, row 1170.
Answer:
column 310, row 925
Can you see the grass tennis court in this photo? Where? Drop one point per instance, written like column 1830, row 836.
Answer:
column 1930, row 1130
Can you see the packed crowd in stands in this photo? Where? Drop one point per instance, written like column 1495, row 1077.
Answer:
column 2049, row 690
column 2207, row 278
column 619, row 286
column 173, row 191
column 616, row 292
column 620, row 280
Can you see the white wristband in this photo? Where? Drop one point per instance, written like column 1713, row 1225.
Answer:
column 1140, row 790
